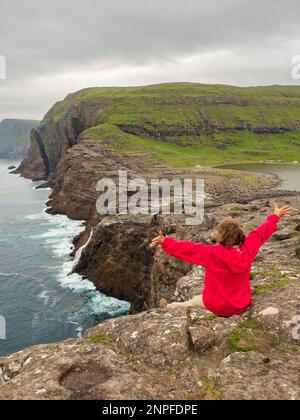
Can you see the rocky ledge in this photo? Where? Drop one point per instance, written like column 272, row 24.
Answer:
column 168, row 354
column 179, row 354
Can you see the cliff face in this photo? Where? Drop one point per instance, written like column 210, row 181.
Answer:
column 120, row 263
column 15, row 138
column 50, row 141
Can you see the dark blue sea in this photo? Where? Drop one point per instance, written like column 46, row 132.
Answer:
column 39, row 300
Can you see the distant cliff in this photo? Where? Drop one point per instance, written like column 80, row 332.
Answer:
column 15, row 137
column 180, row 124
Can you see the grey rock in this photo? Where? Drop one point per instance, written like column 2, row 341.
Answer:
column 283, row 234
column 157, row 338
column 252, row 376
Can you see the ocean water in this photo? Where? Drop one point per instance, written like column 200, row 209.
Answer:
column 289, row 174
column 40, row 301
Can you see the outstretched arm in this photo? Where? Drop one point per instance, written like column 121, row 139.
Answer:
column 261, row 234
column 191, row 252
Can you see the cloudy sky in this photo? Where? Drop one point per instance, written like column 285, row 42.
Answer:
column 55, row 47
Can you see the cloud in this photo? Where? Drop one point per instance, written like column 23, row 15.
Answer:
column 54, row 47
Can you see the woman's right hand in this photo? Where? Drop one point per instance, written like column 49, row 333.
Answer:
column 159, row 240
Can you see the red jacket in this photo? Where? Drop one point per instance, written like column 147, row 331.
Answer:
column 227, row 270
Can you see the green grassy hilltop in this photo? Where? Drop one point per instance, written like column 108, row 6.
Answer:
column 188, row 124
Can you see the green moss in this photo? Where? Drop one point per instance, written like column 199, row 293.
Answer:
column 208, row 390
column 172, row 370
column 234, row 208
column 241, row 340
column 270, row 273
column 212, row 317
column 271, row 287
column 251, row 338
column 284, row 347
column 275, row 341
column 295, row 234
column 251, row 324
column 127, row 355
column 101, row 338
column 253, row 180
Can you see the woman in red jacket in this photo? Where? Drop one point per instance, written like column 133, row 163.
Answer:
column 227, row 264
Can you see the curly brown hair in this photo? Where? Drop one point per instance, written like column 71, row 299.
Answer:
column 229, row 233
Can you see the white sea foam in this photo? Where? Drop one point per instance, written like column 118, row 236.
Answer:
column 109, row 305
column 36, row 216
column 44, row 296
column 41, row 189
column 9, row 274
column 74, row 281
column 58, row 236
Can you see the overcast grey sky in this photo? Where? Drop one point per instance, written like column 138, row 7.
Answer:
column 59, row 46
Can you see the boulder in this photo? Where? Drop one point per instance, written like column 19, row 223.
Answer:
column 275, row 312
column 157, row 338
column 283, row 234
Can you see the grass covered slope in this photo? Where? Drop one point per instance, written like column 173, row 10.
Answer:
column 187, row 124
column 15, row 137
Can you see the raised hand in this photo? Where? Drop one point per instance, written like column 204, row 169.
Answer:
column 158, row 240
column 283, row 211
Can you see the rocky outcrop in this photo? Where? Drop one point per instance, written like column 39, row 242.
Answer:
column 164, row 354
column 119, row 262
column 79, row 370
column 105, row 260
column 175, row 353
column 15, row 138
column 74, row 184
